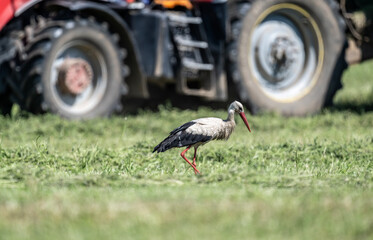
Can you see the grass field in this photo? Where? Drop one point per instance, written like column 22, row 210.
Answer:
column 291, row 178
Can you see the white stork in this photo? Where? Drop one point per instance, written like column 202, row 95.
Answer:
column 200, row 131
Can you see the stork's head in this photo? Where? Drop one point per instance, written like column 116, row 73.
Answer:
column 237, row 107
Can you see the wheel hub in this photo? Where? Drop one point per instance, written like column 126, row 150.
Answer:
column 283, row 55
column 279, row 55
column 74, row 76
column 287, row 51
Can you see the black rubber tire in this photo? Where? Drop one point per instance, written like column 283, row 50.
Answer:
column 43, row 50
column 5, row 104
column 332, row 29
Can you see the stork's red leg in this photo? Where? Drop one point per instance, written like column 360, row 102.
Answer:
column 183, row 156
column 194, row 159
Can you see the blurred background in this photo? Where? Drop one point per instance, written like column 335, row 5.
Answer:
column 87, row 59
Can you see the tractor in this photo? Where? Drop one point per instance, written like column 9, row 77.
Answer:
column 80, row 59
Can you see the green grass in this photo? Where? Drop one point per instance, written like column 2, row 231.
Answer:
column 291, row 178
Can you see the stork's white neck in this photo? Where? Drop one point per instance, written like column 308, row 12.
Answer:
column 230, row 115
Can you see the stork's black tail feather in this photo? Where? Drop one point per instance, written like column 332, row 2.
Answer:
column 166, row 144
column 180, row 138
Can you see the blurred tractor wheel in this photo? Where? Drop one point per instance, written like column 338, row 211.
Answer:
column 287, row 56
column 5, row 104
column 73, row 68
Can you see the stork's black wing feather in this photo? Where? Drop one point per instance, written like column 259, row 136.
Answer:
column 180, row 138
column 182, row 127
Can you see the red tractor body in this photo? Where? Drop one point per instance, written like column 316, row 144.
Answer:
column 8, row 8
column 6, row 12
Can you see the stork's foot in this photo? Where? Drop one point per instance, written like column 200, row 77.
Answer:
column 195, row 165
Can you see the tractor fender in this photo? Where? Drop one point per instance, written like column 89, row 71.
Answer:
column 22, row 6
column 136, row 80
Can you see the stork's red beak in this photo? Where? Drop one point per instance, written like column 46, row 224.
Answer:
column 242, row 114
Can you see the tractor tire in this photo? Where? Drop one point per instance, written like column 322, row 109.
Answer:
column 5, row 104
column 287, row 56
column 73, row 68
